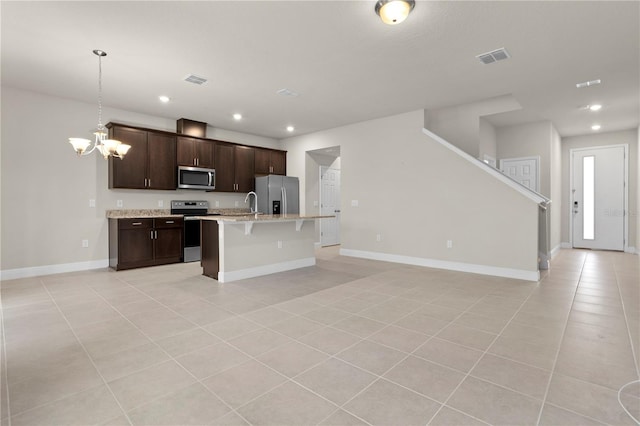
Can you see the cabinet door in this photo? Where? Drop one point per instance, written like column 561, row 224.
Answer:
column 262, row 161
column 162, row 161
column 245, row 166
column 204, row 154
column 225, row 167
column 186, row 154
column 278, row 162
column 131, row 171
column 168, row 245
column 135, row 247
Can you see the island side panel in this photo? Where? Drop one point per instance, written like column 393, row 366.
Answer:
column 209, row 246
column 257, row 253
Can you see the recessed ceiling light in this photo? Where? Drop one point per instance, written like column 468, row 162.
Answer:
column 287, row 92
column 290, row 128
column 164, row 99
column 237, row 116
column 588, row 83
column 596, row 127
column 595, row 107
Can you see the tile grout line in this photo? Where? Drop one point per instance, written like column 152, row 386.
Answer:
column 90, row 359
column 410, row 354
column 564, row 330
column 4, row 363
column 485, row 353
column 626, row 321
column 171, row 358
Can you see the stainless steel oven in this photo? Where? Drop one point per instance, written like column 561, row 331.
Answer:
column 190, row 209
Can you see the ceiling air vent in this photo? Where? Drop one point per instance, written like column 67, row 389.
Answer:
column 195, row 79
column 493, row 56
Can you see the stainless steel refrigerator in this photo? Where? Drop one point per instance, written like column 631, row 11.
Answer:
column 278, row 194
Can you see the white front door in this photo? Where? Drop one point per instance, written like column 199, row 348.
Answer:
column 329, row 206
column 523, row 170
column 598, row 198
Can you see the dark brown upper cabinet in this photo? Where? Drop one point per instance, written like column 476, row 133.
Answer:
column 195, row 152
column 269, row 161
column 234, row 168
column 149, row 164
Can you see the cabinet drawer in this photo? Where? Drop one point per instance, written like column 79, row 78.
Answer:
column 135, row 223
column 168, row 222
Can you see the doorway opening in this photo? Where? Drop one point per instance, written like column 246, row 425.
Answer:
column 599, row 197
column 322, row 177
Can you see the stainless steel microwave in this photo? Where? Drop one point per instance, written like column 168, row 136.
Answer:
column 196, row 178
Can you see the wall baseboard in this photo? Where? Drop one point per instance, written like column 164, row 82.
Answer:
column 556, row 250
column 36, row 271
column 631, row 250
column 566, row 245
column 520, row 274
column 241, row 274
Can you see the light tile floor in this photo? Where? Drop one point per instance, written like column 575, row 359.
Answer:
column 347, row 342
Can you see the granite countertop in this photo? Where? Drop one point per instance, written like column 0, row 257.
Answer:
column 248, row 217
column 151, row 213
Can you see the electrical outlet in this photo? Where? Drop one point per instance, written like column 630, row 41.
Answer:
column 217, row 203
column 378, row 237
column 119, row 203
column 160, row 203
column 85, row 243
column 315, row 203
column 92, row 203
column 449, row 243
column 279, row 244
column 237, row 204
column 354, row 203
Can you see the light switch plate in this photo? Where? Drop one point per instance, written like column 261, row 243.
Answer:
column 354, row 203
column 119, row 203
column 160, row 203
column 92, row 203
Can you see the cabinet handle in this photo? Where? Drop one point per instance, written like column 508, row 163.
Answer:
column 136, row 223
column 151, row 234
column 149, row 180
column 169, row 221
column 155, row 234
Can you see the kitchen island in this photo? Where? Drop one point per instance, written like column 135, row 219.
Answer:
column 239, row 247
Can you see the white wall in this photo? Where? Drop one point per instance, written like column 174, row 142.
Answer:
column 488, row 144
column 46, row 188
column 555, row 192
column 528, row 140
column 460, row 124
column 629, row 137
column 417, row 195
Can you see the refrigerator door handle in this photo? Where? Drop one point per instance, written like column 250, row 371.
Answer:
column 283, row 195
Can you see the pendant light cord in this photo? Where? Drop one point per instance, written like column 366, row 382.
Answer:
column 100, row 126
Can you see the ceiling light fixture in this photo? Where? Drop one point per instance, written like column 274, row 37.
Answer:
column 237, row 116
column 106, row 147
column 596, row 127
column 595, row 107
column 393, row 12
column 164, row 99
column 588, row 83
column 290, row 128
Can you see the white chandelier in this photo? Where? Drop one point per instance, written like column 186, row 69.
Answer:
column 106, row 147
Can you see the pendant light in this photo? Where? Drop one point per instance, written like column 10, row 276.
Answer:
column 393, row 12
column 106, row 147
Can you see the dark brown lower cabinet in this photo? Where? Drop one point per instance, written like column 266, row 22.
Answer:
column 210, row 259
column 135, row 243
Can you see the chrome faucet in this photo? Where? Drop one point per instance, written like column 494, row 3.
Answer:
column 253, row 210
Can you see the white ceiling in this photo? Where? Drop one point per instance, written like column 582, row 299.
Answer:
column 344, row 62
